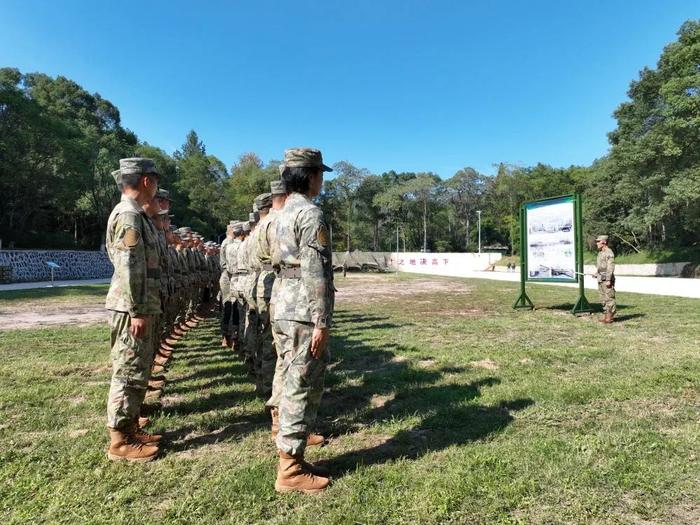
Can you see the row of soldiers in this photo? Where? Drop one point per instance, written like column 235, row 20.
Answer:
column 275, row 277
column 164, row 278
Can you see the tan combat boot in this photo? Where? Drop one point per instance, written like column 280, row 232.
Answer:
column 143, row 421
column 156, row 384
column 171, row 340
column 160, row 360
column 165, row 346
column 191, row 323
column 157, row 369
column 124, row 447
column 144, row 437
column 293, row 476
column 606, row 319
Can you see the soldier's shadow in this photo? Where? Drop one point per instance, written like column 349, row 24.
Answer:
column 367, row 384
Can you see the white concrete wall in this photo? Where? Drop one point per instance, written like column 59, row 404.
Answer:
column 448, row 264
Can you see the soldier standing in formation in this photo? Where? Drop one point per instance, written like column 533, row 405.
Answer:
column 153, row 301
column 605, row 273
column 303, row 316
column 276, row 280
column 134, row 301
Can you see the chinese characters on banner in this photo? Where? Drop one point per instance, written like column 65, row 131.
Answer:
column 419, row 262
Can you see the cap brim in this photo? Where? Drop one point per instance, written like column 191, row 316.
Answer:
column 326, row 168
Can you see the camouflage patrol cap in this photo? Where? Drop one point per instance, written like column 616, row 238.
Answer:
column 246, row 227
column 304, row 158
column 253, row 217
column 277, row 188
column 163, row 194
column 117, row 176
column 264, row 200
column 255, row 207
column 237, row 228
column 602, row 238
column 281, row 168
column 138, row 166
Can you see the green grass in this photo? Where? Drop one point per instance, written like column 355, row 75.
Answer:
column 58, row 294
column 446, row 406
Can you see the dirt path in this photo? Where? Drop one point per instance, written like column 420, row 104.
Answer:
column 356, row 288
column 32, row 315
column 368, row 287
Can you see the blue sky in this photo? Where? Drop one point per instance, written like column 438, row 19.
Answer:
column 406, row 85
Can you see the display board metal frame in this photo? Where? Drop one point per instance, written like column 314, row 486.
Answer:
column 524, row 302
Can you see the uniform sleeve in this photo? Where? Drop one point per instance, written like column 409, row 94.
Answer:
column 131, row 262
column 609, row 265
column 315, row 259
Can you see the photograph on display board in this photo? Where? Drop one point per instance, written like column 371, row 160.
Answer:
column 551, row 240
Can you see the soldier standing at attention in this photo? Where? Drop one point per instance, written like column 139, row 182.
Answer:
column 303, row 313
column 225, row 287
column 134, row 300
column 605, row 273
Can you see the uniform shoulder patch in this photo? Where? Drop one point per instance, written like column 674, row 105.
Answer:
column 322, row 236
column 131, row 238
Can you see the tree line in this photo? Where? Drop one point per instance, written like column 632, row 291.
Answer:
column 59, row 144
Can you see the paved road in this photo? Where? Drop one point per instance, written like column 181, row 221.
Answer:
column 673, row 286
column 47, row 284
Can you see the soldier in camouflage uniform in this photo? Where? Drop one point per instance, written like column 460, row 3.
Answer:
column 232, row 267
column 133, row 298
column 239, row 284
column 249, row 283
column 225, row 287
column 605, row 273
column 264, row 276
column 303, row 313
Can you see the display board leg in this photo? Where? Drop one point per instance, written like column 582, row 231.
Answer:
column 582, row 305
column 523, row 302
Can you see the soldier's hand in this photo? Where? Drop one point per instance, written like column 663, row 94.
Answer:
column 609, row 284
column 139, row 325
column 319, row 339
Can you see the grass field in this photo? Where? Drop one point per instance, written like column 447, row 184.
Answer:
column 444, row 406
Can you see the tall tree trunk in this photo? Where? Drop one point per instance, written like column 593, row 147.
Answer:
column 425, row 225
column 466, row 236
column 347, row 230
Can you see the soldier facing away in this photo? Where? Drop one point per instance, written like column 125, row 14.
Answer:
column 605, row 273
column 134, row 300
column 302, row 316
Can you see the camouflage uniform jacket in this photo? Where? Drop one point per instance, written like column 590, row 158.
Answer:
column 165, row 271
column 222, row 253
column 605, row 265
column 302, row 241
column 132, row 246
column 262, row 257
column 232, row 264
column 242, row 265
column 176, row 271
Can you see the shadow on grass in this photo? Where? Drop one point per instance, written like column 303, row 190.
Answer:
column 370, row 383
column 597, row 307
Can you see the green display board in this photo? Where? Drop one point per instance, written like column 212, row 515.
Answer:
column 551, row 246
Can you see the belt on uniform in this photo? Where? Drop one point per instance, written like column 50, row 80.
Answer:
column 290, row 272
column 267, row 267
column 241, row 273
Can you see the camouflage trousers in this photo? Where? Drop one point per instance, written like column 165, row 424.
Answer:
column 131, row 368
column 607, row 297
column 250, row 337
column 302, row 384
column 277, row 378
column 266, row 355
